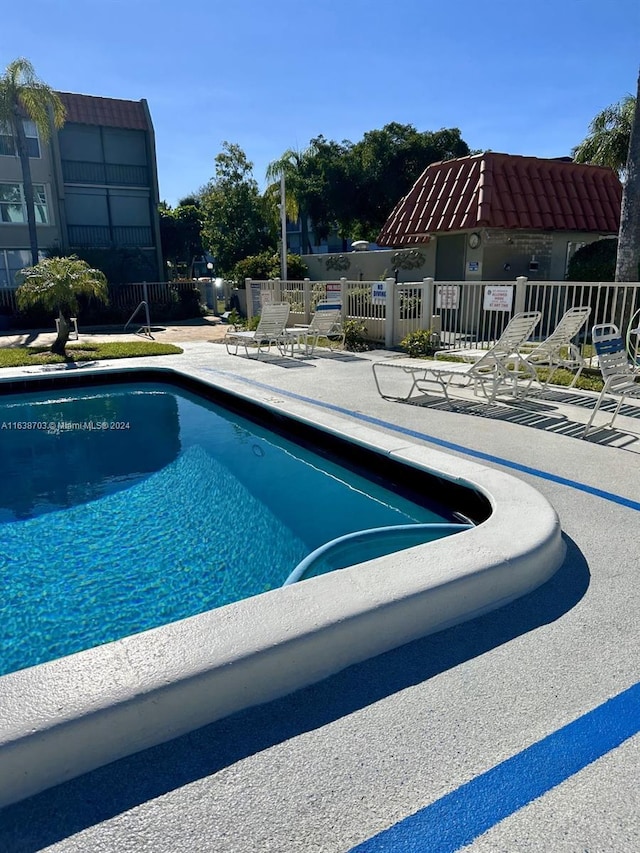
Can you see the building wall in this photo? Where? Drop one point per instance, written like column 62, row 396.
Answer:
column 412, row 263
column 14, row 237
column 503, row 255
column 101, row 189
column 109, row 197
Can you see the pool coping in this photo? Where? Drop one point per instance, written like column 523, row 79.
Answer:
column 65, row 717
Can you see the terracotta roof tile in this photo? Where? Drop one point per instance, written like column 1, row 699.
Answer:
column 108, row 112
column 505, row 191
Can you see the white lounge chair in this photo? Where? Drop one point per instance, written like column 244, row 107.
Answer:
column 619, row 374
column 558, row 350
column 500, row 369
column 325, row 323
column 516, row 332
column 270, row 329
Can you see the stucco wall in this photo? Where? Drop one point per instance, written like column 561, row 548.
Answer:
column 413, row 264
column 502, row 255
column 506, row 254
column 16, row 235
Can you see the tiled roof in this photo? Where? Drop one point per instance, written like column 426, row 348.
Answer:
column 505, row 191
column 109, row 112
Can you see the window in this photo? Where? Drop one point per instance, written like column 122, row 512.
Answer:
column 11, row 261
column 8, row 143
column 13, row 208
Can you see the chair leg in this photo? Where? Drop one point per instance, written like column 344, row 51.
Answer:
column 593, row 413
column 615, row 414
column 576, row 377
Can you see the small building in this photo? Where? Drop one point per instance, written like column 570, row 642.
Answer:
column 95, row 186
column 494, row 217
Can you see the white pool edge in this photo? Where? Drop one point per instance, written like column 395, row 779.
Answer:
column 66, row 717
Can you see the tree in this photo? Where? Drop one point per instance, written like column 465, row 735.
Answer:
column 181, row 232
column 386, row 163
column 628, row 259
column 607, row 143
column 294, row 165
column 55, row 284
column 24, row 96
column 614, row 141
column 236, row 222
column 355, row 186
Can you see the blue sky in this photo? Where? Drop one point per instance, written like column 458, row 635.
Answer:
column 523, row 78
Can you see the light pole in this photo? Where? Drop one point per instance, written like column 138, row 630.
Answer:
column 283, row 230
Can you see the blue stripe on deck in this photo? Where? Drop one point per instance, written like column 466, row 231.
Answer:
column 441, row 442
column 456, row 819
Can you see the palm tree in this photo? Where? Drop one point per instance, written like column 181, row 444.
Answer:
column 628, row 258
column 292, row 165
column 55, row 284
column 24, row 96
column 608, row 141
column 614, row 141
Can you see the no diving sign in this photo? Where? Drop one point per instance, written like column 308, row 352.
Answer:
column 378, row 292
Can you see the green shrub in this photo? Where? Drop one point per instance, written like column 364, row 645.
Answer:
column 355, row 336
column 420, row 343
column 594, row 262
column 266, row 266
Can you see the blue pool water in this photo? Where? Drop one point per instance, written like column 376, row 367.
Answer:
column 122, row 510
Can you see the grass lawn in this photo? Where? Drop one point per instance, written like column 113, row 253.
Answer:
column 22, row 356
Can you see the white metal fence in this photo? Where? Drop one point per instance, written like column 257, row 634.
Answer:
column 462, row 313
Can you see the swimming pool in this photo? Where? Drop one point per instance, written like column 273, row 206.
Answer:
column 125, row 507
column 66, row 716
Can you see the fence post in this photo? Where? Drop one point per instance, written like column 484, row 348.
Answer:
column 427, row 317
column 343, row 298
column 277, row 290
column 248, row 298
column 389, row 313
column 306, row 298
column 521, row 294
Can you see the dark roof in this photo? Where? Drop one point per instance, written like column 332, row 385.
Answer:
column 108, row 112
column 505, row 191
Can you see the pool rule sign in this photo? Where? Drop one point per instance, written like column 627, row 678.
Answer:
column 498, row 297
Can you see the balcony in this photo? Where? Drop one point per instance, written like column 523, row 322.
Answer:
column 102, row 236
column 104, row 174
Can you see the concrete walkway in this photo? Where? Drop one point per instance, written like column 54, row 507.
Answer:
column 200, row 329
column 517, row 731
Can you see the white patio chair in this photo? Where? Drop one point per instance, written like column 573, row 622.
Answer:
column 325, row 323
column 558, row 350
column 619, row 374
column 500, row 369
column 270, row 328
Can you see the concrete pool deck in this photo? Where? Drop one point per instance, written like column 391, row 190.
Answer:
column 331, row 766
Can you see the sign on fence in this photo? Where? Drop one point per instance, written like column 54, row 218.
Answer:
column 447, row 296
column 379, row 292
column 333, row 287
column 259, row 297
column 498, row 298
